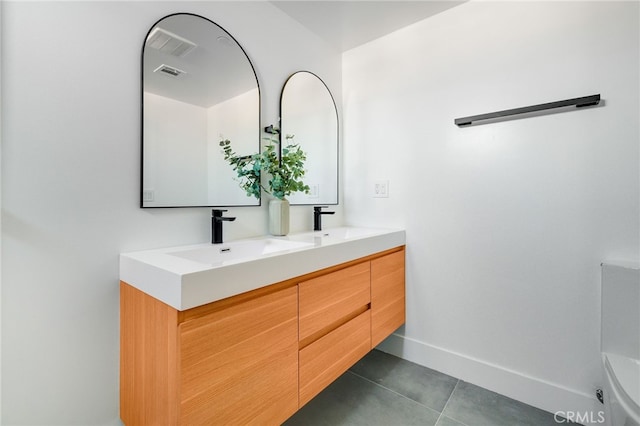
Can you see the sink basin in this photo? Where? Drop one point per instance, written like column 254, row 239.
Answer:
column 238, row 251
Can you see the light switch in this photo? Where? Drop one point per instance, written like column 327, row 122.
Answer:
column 381, row 189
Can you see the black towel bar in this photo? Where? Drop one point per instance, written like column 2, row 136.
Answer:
column 577, row 102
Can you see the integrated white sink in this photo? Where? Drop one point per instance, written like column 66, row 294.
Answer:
column 190, row 276
column 237, row 251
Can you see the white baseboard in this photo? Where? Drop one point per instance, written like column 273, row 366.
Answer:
column 539, row 393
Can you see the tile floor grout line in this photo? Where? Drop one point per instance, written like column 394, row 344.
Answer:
column 394, row 392
column 447, row 403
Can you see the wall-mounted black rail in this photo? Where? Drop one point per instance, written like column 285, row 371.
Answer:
column 577, row 102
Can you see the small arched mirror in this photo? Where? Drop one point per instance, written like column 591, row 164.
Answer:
column 198, row 86
column 308, row 111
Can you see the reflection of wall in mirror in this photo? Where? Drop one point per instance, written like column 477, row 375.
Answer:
column 233, row 119
column 175, row 155
column 183, row 162
column 311, row 117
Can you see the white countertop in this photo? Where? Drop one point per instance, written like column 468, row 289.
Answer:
column 174, row 276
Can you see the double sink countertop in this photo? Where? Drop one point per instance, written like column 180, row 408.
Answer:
column 189, row 276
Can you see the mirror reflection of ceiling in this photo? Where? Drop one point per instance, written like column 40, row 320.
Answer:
column 347, row 24
column 179, row 66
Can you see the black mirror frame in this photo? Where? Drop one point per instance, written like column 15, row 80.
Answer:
column 335, row 108
column 144, row 42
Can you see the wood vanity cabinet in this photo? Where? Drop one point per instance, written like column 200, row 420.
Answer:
column 254, row 358
column 230, row 362
column 335, row 326
column 387, row 296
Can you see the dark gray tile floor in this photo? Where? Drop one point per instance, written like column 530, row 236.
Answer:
column 386, row 390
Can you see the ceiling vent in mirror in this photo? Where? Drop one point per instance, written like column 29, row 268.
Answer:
column 170, row 71
column 169, row 43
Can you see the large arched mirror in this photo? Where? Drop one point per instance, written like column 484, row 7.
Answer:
column 308, row 111
column 198, row 86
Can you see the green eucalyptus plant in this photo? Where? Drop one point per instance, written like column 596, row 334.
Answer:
column 285, row 174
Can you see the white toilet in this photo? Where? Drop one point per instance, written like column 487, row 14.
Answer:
column 621, row 343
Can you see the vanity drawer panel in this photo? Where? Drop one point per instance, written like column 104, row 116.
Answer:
column 327, row 301
column 240, row 364
column 327, row 358
column 387, row 295
column 235, row 324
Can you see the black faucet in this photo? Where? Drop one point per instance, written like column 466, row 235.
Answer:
column 317, row 217
column 216, row 225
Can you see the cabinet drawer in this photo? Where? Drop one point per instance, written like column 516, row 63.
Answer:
column 327, row 358
column 327, row 300
column 239, row 364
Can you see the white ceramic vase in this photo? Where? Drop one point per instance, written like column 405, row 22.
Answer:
column 278, row 217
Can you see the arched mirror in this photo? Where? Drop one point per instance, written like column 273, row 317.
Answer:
column 198, row 86
column 308, row 111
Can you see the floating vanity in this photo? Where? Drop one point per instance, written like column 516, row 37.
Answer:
column 250, row 331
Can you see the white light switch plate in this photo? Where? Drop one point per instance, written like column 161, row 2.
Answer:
column 381, row 189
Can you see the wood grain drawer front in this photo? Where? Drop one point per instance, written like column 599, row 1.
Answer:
column 240, row 364
column 329, row 299
column 387, row 295
column 327, row 358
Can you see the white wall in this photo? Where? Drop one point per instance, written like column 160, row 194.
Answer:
column 70, row 186
column 506, row 223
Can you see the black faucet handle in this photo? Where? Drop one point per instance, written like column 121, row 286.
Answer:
column 216, row 224
column 216, row 215
column 317, row 210
column 317, row 217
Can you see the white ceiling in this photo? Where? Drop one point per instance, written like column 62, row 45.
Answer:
column 347, row 24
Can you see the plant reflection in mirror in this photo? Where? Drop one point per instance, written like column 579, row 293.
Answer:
column 285, row 174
